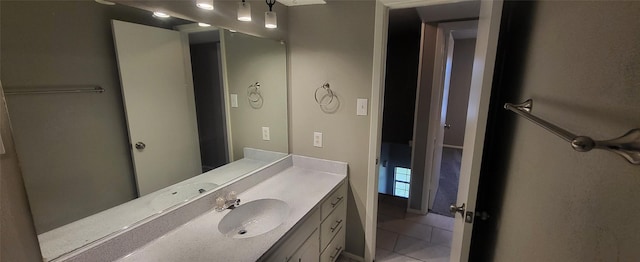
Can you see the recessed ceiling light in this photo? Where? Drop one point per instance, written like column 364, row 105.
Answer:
column 160, row 15
column 104, row 2
column 232, row 31
column 204, row 25
column 205, row 4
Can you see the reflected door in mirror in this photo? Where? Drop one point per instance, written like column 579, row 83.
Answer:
column 159, row 104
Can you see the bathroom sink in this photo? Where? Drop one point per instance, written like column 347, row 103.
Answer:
column 254, row 218
column 179, row 194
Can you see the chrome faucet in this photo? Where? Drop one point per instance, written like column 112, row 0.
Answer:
column 229, row 202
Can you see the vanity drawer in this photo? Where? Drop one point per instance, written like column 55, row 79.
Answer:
column 334, row 249
column 332, row 225
column 293, row 241
column 337, row 197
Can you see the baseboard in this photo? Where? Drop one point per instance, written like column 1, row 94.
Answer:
column 452, row 146
column 352, row 256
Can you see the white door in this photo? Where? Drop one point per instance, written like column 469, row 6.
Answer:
column 445, row 45
column 440, row 97
column 159, row 104
column 477, row 113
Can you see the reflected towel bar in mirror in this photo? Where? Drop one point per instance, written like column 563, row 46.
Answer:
column 627, row 146
column 31, row 90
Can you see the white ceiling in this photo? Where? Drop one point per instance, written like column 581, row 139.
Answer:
column 465, row 34
column 447, row 12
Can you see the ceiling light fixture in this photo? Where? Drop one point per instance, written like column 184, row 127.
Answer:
column 160, row 15
column 204, row 25
column 244, row 11
column 270, row 18
column 205, row 4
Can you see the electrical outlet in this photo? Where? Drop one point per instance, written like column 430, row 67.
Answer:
column 317, row 139
column 265, row 133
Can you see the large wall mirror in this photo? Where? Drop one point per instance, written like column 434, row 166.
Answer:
column 118, row 114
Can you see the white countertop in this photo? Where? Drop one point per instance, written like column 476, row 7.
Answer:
column 69, row 237
column 199, row 240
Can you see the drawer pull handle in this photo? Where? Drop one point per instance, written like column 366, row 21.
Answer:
column 334, row 256
column 333, row 204
column 338, row 222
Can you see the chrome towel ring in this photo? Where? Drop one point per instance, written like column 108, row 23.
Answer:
column 324, row 93
column 253, row 93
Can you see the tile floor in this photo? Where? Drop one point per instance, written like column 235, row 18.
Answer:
column 404, row 237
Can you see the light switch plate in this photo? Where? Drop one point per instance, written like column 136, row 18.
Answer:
column 317, row 139
column 265, row 133
column 234, row 100
column 362, row 107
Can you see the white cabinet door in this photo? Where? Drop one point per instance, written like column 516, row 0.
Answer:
column 155, row 68
column 309, row 251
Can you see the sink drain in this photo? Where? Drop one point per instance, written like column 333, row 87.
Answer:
column 242, row 232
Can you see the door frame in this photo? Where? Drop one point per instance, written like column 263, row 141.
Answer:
column 445, row 45
column 480, row 91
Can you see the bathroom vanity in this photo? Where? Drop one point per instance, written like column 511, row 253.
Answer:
column 291, row 210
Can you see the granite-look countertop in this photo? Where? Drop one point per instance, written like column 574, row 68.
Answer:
column 301, row 186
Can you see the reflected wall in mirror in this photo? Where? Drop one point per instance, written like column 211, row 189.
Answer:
column 77, row 150
column 255, row 68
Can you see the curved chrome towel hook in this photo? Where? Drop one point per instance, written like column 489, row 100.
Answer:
column 627, row 145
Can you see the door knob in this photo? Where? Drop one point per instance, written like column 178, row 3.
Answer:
column 447, row 126
column 455, row 209
column 140, row 145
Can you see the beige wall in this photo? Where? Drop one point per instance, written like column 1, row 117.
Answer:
column 18, row 241
column 73, row 148
column 250, row 59
column 582, row 68
column 458, row 101
column 334, row 43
